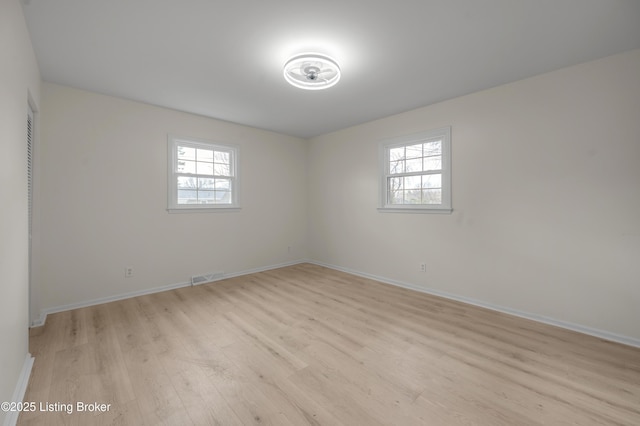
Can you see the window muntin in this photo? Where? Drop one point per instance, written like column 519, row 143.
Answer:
column 416, row 172
column 202, row 175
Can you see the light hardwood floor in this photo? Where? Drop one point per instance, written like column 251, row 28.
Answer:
column 306, row 345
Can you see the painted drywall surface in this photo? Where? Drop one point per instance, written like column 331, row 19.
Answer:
column 546, row 198
column 104, row 199
column 19, row 79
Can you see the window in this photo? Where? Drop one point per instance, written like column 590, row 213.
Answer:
column 416, row 173
column 202, row 175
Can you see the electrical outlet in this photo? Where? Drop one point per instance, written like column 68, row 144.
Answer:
column 128, row 272
column 423, row 267
column 289, row 249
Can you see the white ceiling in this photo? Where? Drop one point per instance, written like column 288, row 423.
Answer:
column 224, row 58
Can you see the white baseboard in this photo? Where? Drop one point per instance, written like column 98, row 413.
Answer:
column 43, row 314
column 265, row 268
column 21, row 388
column 625, row 340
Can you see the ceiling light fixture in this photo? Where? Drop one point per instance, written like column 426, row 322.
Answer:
column 312, row 71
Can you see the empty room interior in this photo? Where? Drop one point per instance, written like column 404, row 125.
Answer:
column 338, row 213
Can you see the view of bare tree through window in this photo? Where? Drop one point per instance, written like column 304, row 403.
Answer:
column 415, row 173
column 204, row 175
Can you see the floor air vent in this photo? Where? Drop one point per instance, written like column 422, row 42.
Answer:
column 206, row 278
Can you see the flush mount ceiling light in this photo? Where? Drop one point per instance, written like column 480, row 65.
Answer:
column 312, row 71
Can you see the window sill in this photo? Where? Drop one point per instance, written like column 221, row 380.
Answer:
column 420, row 210
column 229, row 209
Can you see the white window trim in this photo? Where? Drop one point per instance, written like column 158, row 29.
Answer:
column 172, row 190
column 384, row 147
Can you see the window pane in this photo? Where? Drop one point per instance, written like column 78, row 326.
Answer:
column 186, row 153
column 221, row 157
column 205, row 168
column 396, row 154
column 395, row 183
column 413, row 196
column 221, row 170
column 412, row 182
column 432, row 181
column 432, row 148
column 414, row 165
column 187, row 197
column 223, row 197
column 395, row 197
column 205, row 183
column 396, row 167
column 205, row 197
column 186, row 167
column 432, row 196
column 432, row 163
column 223, row 184
column 205, row 155
column 185, row 182
column 414, row 151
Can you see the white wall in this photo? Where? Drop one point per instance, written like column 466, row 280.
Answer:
column 546, row 198
column 19, row 80
column 104, row 198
